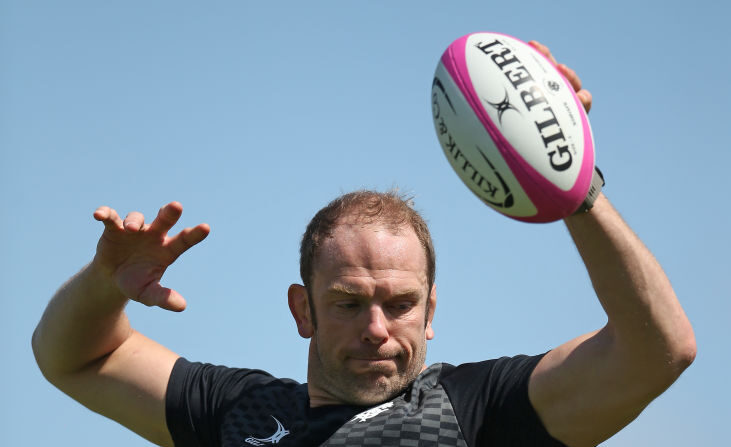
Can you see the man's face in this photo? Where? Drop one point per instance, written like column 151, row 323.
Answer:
column 370, row 294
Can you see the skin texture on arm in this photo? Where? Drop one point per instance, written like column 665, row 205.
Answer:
column 84, row 343
column 587, row 389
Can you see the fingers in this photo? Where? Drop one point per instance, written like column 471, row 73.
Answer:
column 134, row 222
column 174, row 302
column 568, row 73
column 570, row 76
column 187, row 238
column 543, row 50
column 108, row 217
column 157, row 295
column 586, row 99
column 167, row 217
column 575, row 81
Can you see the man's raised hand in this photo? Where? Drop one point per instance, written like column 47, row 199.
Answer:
column 135, row 255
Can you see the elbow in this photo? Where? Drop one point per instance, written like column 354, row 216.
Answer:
column 661, row 368
column 664, row 357
column 677, row 344
column 44, row 360
column 37, row 347
column 680, row 352
column 684, row 353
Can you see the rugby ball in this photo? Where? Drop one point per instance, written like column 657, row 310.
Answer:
column 512, row 127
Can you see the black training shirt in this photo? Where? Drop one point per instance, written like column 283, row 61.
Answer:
column 474, row 404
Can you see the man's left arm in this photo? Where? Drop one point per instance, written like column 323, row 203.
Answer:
column 589, row 388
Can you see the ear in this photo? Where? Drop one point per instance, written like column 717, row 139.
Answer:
column 430, row 316
column 300, row 308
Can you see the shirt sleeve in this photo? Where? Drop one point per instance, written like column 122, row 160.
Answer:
column 196, row 397
column 491, row 402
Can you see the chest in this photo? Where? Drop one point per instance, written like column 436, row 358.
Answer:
column 423, row 418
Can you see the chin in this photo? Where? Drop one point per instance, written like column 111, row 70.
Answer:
column 375, row 390
column 372, row 397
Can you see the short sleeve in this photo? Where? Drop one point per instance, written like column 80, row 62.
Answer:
column 197, row 396
column 491, row 402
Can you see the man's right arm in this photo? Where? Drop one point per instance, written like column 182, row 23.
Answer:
column 84, row 343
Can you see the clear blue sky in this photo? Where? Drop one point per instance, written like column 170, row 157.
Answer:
column 255, row 114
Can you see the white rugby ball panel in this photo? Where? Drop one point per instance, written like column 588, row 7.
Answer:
column 534, row 118
column 471, row 151
column 531, row 114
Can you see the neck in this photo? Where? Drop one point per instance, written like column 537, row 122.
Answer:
column 319, row 396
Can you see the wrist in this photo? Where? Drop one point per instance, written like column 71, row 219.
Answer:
column 101, row 279
column 595, row 189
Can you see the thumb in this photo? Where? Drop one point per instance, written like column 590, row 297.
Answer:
column 163, row 297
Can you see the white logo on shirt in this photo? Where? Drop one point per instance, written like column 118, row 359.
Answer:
column 273, row 439
column 373, row 412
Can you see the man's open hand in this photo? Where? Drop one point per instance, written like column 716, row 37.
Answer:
column 135, row 255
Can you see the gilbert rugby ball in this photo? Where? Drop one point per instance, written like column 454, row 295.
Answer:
column 512, row 127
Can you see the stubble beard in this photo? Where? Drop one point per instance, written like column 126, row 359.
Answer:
column 365, row 389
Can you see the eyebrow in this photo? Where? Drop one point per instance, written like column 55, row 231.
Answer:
column 341, row 289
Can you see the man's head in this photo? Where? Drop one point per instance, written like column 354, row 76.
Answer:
column 389, row 209
column 367, row 262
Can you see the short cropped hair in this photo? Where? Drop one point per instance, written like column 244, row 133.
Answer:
column 389, row 208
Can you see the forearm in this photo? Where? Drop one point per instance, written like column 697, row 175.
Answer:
column 645, row 319
column 84, row 321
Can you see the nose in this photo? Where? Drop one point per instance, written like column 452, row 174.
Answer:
column 376, row 329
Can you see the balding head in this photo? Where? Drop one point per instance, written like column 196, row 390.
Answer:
column 388, row 209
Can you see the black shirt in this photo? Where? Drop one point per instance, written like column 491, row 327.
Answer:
column 474, row 404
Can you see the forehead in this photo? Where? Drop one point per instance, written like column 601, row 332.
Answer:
column 370, row 252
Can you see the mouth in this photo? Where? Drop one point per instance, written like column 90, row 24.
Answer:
column 372, row 359
column 374, row 356
column 370, row 363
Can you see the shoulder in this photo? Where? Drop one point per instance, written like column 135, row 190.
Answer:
column 490, row 399
column 495, row 384
column 203, row 398
column 210, row 379
column 508, row 370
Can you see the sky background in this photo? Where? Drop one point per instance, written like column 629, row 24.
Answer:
column 256, row 114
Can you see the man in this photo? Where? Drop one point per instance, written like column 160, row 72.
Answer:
column 366, row 304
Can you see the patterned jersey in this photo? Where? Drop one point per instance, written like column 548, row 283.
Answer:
column 475, row 404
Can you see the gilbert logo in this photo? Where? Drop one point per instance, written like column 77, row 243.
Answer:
column 502, row 107
column 534, row 101
column 273, row 439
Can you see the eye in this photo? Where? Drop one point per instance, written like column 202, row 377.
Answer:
column 400, row 307
column 346, row 305
column 346, row 308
